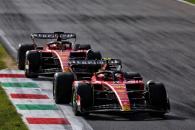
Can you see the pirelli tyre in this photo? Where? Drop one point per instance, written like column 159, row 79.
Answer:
column 94, row 55
column 132, row 75
column 158, row 99
column 82, row 99
column 32, row 64
column 82, row 47
column 97, row 55
column 62, row 87
column 21, row 54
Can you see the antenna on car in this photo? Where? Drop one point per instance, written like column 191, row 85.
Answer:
column 33, row 40
column 58, row 35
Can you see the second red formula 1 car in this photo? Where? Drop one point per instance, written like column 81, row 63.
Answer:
column 111, row 90
column 54, row 55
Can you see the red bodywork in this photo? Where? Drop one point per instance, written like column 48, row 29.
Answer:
column 61, row 53
column 119, row 89
column 54, row 55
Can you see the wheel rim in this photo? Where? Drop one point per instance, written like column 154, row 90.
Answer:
column 27, row 66
column 74, row 104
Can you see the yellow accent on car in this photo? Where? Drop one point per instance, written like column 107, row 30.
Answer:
column 107, row 58
column 126, row 107
column 66, row 69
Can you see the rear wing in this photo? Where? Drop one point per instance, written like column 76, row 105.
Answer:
column 55, row 35
column 95, row 62
column 86, row 68
column 95, row 65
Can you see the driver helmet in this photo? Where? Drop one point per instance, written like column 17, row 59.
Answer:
column 100, row 76
column 118, row 76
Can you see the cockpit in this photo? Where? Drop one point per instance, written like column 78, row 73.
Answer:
column 60, row 45
column 110, row 76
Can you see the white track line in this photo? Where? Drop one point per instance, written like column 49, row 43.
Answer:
column 183, row 1
column 50, row 127
column 33, row 101
column 77, row 123
column 6, row 41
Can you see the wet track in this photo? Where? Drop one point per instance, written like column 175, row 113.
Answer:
column 153, row 37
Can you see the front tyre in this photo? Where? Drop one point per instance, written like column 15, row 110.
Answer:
column 32, row 64
column 62, row 87
column 82, row 99
column 158, row 99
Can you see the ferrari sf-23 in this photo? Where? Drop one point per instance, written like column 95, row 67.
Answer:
column 109, row 90
column 54, row 55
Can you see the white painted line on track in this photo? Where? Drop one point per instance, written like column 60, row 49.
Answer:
column 50, row 127
column 33, row 101
column 183, row 1
column 6, row 41
column 42, row 113
column 77, row 123
column 11, row 71
column 16, row 80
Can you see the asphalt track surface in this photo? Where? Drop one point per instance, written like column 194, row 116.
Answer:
column 153, row 37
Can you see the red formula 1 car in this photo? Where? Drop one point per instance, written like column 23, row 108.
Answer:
column 54, row 55
column 111, row 90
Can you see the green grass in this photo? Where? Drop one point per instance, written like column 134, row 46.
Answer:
column 191, row 1
column 2, row 55
column 9, row 118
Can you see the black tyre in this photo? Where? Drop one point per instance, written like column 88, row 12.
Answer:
column 21, row 55
column 91, row 55
column 86, row 99
column 62, row 87
column 32, row 64
column 76, row 47
column 132, row 75
column 158, row 99
column 97, row 55
column 82, row 47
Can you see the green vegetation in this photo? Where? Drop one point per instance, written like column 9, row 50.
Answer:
column 3, row 54
column 9, row 118
column 191, row 1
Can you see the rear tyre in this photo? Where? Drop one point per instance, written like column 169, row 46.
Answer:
column 32, row 65
column 91, row 55
column 82, row 47
column 76, row 47
column 132, row 75
column 21, row 55
column 62, row 87
column 158, row 99
column 97, row 55
column 84, row 92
